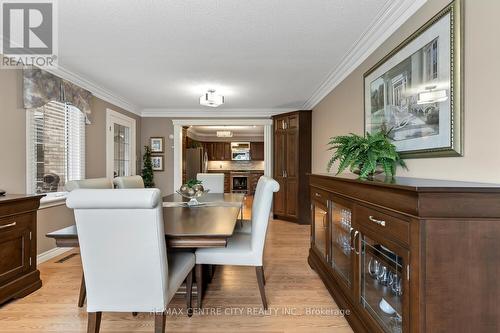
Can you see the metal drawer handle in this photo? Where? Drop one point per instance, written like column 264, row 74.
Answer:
column 379, row 222
column 8, row 225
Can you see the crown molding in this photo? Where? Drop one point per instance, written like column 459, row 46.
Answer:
column 95, row 89
column 214, row 113
column 391, row 17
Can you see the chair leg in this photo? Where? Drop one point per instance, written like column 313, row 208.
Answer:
column 263, row 276
column 94, row 322
column 260, row 280
column 83, row 292
column 210, row 273
column 189, row 289
column 199, row 283
column 160, row 319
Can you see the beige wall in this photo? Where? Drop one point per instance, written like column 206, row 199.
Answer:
column 12, row 133
column 13, row 151
column 341, row 111
column 151, row 127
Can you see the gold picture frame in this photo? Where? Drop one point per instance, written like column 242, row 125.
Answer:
column 377, row 89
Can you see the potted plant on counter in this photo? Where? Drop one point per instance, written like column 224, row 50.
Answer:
column 365, row 156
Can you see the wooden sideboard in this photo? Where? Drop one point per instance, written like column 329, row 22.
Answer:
column 18, row 273
column 425, row 251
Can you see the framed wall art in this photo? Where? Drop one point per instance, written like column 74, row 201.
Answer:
column 157, row 162
column 415, row 92
column 156, row 144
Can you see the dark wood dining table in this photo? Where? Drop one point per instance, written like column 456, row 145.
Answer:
column 209, row 224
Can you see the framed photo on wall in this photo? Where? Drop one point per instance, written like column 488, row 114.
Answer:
column 415, row 92
column 156, row 144
column 157, row 162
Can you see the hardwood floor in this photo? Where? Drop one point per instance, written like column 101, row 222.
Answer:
column 232, row 302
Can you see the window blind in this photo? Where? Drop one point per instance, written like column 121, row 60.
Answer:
column 56, row 147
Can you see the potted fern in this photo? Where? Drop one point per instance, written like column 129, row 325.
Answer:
column 365, row 156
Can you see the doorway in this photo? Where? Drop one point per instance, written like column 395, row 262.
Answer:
column 120, row 145
column 178, row 138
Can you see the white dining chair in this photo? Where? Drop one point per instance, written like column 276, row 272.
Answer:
column 90, row 183
column 244, row 249
column 124, row 254
column 128, row 182
column 96, row 183
column 212, row 181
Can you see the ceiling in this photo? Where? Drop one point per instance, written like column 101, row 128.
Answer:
column 157, row 56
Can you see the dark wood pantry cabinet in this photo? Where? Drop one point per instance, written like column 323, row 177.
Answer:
column 292, row 162
column 408, row 255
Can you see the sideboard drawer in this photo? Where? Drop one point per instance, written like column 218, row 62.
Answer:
column 319, row 195
column 383, row 223
column 16, row 222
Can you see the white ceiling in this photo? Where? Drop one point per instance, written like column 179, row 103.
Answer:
column 261, row 54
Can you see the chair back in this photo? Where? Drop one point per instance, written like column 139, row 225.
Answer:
column 122, row 244
column 129, row 182
column 212, row 181
column 261, row 209
column 96, row 183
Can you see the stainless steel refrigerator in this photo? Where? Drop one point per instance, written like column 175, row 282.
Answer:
column 196, row 162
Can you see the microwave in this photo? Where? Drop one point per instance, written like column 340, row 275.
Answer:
column 242, row 155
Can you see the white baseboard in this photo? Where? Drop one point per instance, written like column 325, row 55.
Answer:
column 47, row 255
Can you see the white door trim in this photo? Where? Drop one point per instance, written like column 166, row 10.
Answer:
column 179, row 123
column 119, row 118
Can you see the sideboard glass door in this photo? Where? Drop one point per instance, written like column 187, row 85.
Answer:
column 341, row 233
column 384, row 283
column 320, row 228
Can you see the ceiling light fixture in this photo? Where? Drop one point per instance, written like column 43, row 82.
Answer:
column 224, row 134
column 210, row 98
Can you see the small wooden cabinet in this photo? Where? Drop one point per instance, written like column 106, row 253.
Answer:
column 409, row 255
column 257, row 151
column 218, row 151
column 18, row 273
column 292, row 162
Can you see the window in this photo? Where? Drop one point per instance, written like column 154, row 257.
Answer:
column 56, row 147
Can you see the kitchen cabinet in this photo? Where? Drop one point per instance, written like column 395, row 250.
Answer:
column 292, row 162
column 407, row 255
column 257, row 151
column 218, row 151
column 18, row 273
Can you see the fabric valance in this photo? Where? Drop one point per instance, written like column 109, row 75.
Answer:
column 41, row 87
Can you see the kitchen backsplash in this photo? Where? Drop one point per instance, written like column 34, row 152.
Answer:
column 235, row 165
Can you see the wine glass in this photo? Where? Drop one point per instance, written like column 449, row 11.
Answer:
column 396, row 286
column 383, row 275
column 373, row 267
column 395, row 324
